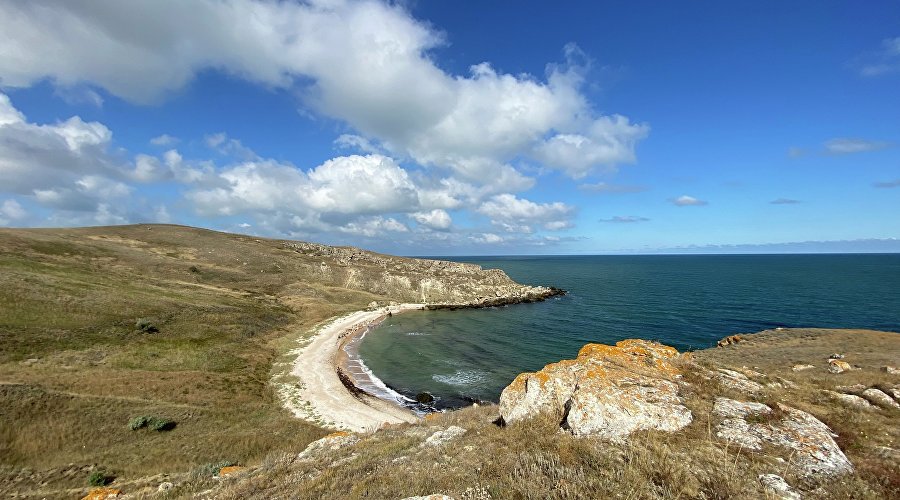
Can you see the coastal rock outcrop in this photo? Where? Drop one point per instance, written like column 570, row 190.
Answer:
column 607, row 391
column 808, row 441
column 333, row 441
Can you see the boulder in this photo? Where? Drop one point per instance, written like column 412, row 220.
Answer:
column 424, row 398
column 443, row 437
column 231, row 470
column 164, row 487
column 850, row 400
column 430, row 497
column 607, row 391
column 800, row 368
column 102, row 494
column 737, row 381
column 808, row 442
column 778, row 487
column 838, row 366
column 730, row 340
column 890, row 370
column 333, row 441
column 880, row 398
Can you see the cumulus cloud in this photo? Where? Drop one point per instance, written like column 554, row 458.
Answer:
column 374, row 226
column 387, row 87
column 844, row 145
column 608, row 141
column 434, row 219
column 784, row 201
column 520, row 215
column 11, row 211
column 625, row 219
column 687, row 201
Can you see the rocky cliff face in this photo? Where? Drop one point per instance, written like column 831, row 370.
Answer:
column 439, row 283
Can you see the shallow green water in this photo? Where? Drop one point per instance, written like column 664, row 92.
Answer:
column 684, row 301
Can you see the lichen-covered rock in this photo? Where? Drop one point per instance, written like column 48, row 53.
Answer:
column 838, row 366
column 730, row 340
column 231, row 470
column 608, row 391
column 778, row 487
column 442, row 437
column 880, row 398
column 810, row 443
column 850, row 400
column 333, row 441
column 737, row 381
column 102, row 494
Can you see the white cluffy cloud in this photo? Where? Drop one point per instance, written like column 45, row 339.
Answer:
column 435, row 219
column 386, row 87
column 883, row 61
column 519, row 215
column 687, row 201
column 844, row 145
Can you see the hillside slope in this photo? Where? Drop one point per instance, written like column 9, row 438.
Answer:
column 101, row 325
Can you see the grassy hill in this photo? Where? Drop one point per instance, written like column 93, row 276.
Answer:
column 101, row 325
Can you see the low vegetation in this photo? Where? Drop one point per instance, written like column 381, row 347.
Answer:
column 88, row 394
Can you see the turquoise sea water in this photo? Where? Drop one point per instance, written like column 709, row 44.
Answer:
column 687, row 301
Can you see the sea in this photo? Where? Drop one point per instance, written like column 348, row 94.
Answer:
column 686, row 301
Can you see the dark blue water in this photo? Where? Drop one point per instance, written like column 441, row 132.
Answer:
column 686, row 301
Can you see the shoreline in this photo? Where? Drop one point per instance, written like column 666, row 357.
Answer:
column 321, row 389
column 336, row 390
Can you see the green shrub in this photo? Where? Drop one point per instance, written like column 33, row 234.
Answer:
column 146, row 326
column 139, row 422
column 161, row 424
column 99, row 478
column 158, row 424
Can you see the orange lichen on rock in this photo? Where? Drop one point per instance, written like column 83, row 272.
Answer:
column 432, row 416
column 338, row 434
column 607, row 390
column 730, row 340
column 231, row 469
column 102, row 494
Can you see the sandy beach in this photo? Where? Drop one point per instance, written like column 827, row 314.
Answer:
column 322, row 390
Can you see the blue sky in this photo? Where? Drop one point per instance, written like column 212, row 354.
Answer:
column 435, row 128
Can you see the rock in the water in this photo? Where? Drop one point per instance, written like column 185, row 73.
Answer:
column 810, row 442
column 850, row 400
column 880, row 398
column 424, row 398
column 608, row 391
column 800, row 368
column 777, row 486
column 730, row 340
column 837, row 366
column 443, row 437
column 333, row 441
